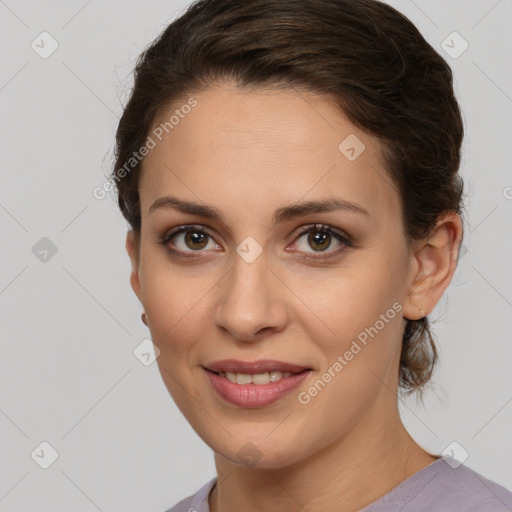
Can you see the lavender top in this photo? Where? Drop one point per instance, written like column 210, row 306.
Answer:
column 442, row 486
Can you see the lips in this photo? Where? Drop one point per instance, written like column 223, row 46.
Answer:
column 255, row 390
column 254, row 367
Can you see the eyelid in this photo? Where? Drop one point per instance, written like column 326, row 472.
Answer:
column 323, row 227
column 187, row 227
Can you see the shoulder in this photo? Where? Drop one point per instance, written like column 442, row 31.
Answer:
column 197, row 502
column 445, row 485
column 469, row 490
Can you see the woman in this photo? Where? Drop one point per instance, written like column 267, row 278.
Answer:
column 289, row 173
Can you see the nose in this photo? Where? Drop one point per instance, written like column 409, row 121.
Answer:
column 251, row 301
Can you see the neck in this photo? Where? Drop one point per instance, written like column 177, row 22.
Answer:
column 362, row 466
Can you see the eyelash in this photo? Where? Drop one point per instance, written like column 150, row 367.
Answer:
column 343, row 238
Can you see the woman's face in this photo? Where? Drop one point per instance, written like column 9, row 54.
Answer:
column 252, row 286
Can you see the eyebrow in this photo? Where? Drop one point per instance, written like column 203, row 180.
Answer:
column 280, row 215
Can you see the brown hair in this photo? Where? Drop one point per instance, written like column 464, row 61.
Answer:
column 366, row 56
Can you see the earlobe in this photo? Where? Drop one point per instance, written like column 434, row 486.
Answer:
column 435, row 264
column 132, row 247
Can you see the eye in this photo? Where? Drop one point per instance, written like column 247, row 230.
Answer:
column 188, row 239
column 193, row 238
column 320, row 238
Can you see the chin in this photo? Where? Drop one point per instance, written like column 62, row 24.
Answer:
column 256, row 453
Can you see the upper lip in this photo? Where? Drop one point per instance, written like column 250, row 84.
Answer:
column 252, row 367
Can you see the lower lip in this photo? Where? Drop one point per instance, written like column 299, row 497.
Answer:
column 255, row 395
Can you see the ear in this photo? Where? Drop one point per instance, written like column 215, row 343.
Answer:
column 132, row 247
column 434, row 263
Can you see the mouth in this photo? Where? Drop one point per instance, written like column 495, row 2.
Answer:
column 259, row 379
column 261, row 367
column 255, row 372
column 255, row 384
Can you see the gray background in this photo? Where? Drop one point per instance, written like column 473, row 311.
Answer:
column 70, row 324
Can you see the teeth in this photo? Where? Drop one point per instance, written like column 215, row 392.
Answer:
column 275, row 376
column 230, row 376
column 242, row 378
column 260, row 378
column 257, row 378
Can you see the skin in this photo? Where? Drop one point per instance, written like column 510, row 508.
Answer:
column 247, row 153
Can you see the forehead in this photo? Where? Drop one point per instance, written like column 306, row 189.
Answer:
column 263, row 145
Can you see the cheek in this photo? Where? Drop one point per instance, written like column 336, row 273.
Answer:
column 349, row 299
column 361, row 361
column 175, row 305
column 176, row 300
column 359, row 319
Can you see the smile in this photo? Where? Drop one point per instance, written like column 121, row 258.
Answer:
column 257, row 389
column 256, row 378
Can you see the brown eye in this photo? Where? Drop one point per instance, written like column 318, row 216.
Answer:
column 196, row 240
column 319, row 238
column 188, row 239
